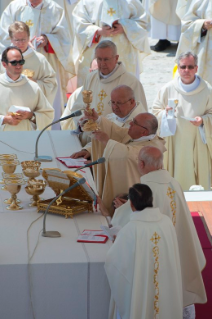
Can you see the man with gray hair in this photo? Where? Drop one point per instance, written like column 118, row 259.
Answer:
column 109, row 75
column 184, row 111
column 169, row 198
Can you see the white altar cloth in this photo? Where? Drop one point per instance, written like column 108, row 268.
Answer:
column 67, row 278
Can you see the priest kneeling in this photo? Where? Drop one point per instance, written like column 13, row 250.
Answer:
column 143, row 265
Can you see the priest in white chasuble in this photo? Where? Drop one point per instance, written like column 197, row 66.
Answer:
column 189, row 144
column 120, row 147
column 17, row 90
column 197, row 35
column 49, row 29
column 165, row 24
column 122, row 21
column 109, row 75
column 143, row 264
column 169, row 198
column 36, row 66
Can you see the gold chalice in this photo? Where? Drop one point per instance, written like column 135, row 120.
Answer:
column 8, row 177
column 31, row 169
column 14, row 186
column 35, row 188
column 9, row 166
column 90, row 125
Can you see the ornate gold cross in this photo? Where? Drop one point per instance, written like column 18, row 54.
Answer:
column 155, row 238
column 102, row 95
column 29, row 23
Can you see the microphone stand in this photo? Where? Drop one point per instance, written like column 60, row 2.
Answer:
column 53, row 233
column 49, row 158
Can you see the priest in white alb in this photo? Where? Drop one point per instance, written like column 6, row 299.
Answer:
column 165, row 24
column 169, row 198
column 16, row 91
column 184, row 111
column 122, row 21
column 101, row 82
column 197, row 35
column 120, row 147
column 36, row 66
column 143, row 264
column 49, row 34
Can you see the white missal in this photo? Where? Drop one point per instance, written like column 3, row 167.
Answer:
column 91, row 238
column 111, row 232
column 15, row 108
column 192, row 119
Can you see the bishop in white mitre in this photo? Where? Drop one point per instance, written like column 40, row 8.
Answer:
column 121, row 21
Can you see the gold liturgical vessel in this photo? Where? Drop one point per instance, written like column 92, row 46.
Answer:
column 75, row 201
column 14, row 186
column 90, row 125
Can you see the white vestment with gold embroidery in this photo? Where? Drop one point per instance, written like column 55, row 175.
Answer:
column 91, row 15
column 168, row 196
column 50, row 20
column 143, row 269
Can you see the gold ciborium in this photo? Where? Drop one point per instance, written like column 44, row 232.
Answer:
column 8, row 177
column 31, row 169
column 8, row 156
column 14, row 186
column 90, row 125
column 35, row 188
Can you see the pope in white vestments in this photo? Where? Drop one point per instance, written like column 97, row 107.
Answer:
column 143, row 267
column 197, row 35
column 121, row 21
column 48, row 24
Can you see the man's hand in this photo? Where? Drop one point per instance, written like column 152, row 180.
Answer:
column 118, row 29
column 82, row 153
column 198, row 121
column 105, row 31
column 101, row 137
column 23, row 115
column 119, row 202
column 207, row 24
column 42, row 41
column 11, row 120
column 168, row 108
column 91, row 116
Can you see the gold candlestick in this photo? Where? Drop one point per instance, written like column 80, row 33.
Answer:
column 90, row 125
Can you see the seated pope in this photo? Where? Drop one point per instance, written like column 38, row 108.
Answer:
column 110, row 74
column 120, row 146
column 23, row 105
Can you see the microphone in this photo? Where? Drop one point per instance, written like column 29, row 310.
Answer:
column 99, row 161
column 49, row 158
column 53, row 233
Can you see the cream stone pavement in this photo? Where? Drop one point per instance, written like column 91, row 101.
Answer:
column 158, row 68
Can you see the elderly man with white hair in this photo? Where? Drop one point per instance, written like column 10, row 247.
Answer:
column 169, row 198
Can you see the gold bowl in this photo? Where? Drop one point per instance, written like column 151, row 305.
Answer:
column 9, row 166
column 35, row 188
column 30, row 164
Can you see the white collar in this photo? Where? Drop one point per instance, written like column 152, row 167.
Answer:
column 8, row 79
column 189, row 87
column 27, row 52
column 144, row 138
column 105, row 76
column 39, row 7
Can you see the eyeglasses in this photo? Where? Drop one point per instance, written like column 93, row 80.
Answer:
column 15, row 62
column 20, row 40
column 111, row 103
column 105, row 59
column 190, row 67
column 134, row 122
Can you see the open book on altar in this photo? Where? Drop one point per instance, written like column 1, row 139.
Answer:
column 77, row 200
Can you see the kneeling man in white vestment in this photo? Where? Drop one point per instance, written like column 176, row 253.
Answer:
column 143, row 264
column 189, row 125
column 18, row 91
column 168, row 196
